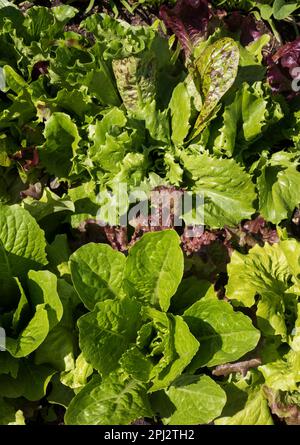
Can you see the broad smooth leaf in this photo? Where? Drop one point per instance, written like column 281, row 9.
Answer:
column 154, row 268
column 180, row 106
column 97, row 272
column 31, row 382
column 60, row 346
column 22, row 240
column 48, row 312
column 224, row 335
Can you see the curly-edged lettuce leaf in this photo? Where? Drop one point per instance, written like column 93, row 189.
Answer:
column 85, row 202
column 61, row 144
column 227, row 189
column 13, row 81
column 197, row 400
column 106, row 333
column 171, row 342
column 77, row 377
column 136, row 81
column 265, row 271
column 283, row 374
column 97, row 272
column 224, row 335
column 41, row 22
column 111, row 138
column 218, row 67
column 247, row 115
column 115, row 400
column 47, row 205
column 254, row 412
column 294, row 340
column 284, row 404
column 278, row 184
column 154, row 268
column 117, row 38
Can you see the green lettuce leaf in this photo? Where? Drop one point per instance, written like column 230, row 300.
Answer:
column 60, row 346
column 197, row 399
column 227, row 189
column 77, row 377
column 107, row 332
column 21, row 385
column 224, row 335
column 154, row 268
column 283, row 374
column 97, row 272
column 277, row 184
column 8, row 414
column 264, row 271
column 180, row 346
column 22, row 240
column 62, row 139
column 47, row 205
column 255, row 411
column 48, row 312
column 115, row 400
column 180, row 106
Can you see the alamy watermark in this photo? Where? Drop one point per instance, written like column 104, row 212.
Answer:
column 164, row 206
column 295, row 74
column 2, row 339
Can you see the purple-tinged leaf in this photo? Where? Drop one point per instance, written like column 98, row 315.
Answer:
column 284, row 69
column 250, row 29
column 188, row 20
column 218, row 67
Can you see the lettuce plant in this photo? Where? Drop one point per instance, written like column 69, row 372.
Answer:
column 116, row 323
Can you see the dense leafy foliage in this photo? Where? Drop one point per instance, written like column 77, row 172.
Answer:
column 117, row 323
